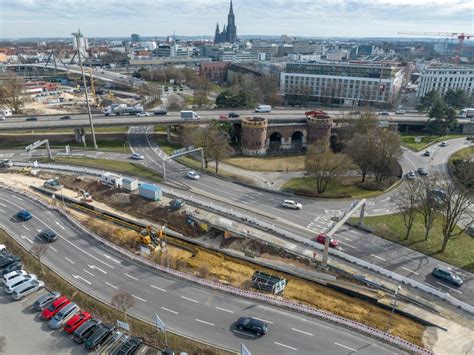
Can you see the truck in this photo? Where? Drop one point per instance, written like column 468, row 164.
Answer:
column 189, row 115
column 122, row 109
column 467, row 113
column 263, row 108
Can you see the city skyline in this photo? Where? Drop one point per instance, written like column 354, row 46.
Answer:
column 339, row 18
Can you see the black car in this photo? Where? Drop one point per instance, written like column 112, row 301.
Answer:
column 31, row 119
column 129, row 347
column 161, row 112
column 85, row 330
column 448, row 276
column 65, row 118
column 233, row 115
column 48, row 235
column 101, row 333
column 17, row 265
column 8, row 259
column 422, row 172
column 253, row 325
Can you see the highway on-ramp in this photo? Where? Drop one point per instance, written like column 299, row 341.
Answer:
column 198, row 312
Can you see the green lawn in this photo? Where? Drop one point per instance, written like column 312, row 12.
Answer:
column 343, row 187
column 128, row 168
column 281, row 163
column 465, row 153
column 459, row 251
column 408, row 140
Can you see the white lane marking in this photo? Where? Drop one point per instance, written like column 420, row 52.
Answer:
column 17, row 197
column 439, row 283
column 158, row 288
column 139, row 298
column 59, row 224
column 3, row 205
column 380, row 210
column 169, row 310
column 145, row 348
column 247, row 334
column 203, row 321
column 53, row 249
column 3, row 211
column 301, row 331
column 263, row 320
column 132, row 277
column 285, row 346
column 96, row 268
column 28, row 239
column 72, row 262
column 87, row 272
column 81, row 278
column 346, row 347
column 350, row 246
column 109, row 257
column 26, row 227
column 189, row 299
column 115, row 287
column 225, row 310
column 378, row 257
column 414, row 272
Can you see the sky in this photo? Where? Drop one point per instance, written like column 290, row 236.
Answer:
column 317, row 18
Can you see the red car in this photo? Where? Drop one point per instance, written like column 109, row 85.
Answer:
column 321, row 238
column 54, row 308
column 223, row 117
column 76, row 321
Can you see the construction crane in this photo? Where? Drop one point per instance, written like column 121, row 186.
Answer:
column 460, row 36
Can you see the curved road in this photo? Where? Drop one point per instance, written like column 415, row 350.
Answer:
column 198, row 312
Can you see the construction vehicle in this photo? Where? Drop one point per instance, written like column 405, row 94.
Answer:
column 150, row 235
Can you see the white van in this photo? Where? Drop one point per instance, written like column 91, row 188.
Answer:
column 263, row 108
column 189, row 115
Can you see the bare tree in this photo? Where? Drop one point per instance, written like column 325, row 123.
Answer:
column 202, row 87
column 10, row 92
column 324, row 165
column 386, row 153
column 39, row 250
column 426, row 207
column 406, row 202
column 455, row 208
column 174, row 103
column 123, row 300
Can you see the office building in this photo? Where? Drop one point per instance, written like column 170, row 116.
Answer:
column 442, row 78
column 135, row 38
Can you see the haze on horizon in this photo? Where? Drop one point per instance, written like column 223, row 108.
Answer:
column 323, row 18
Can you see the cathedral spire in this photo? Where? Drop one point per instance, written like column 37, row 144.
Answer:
column 231, row 10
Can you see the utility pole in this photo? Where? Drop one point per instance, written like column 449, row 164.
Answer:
column 77, row 37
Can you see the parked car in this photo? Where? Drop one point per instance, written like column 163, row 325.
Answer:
column 100, row 334
column 76, row 321
column 400, row 112
column 223, row 117
column 8, row 259
column 65, row 117
column 321, row 238
column 11, row 285
column 233, row 115
column 427, row 153
column 142, row 114
column 192, row 175
column 24, row 215
column 45, row 300
column 176, row 204
column 130, row 346
column 63, row 315
column 470, row 230
column 161, row 112
column 85, row 330
column 411, row 175
column 422, row 172
column 48, row 235
column 444, row 144
column 54, row 307
column 137, row 156
column 31, row 119
column 14, row 274
column 448, row 276
column 26, row 289
column 17, row 265
column 253, row 325
column 292, row 204
column 3, row 248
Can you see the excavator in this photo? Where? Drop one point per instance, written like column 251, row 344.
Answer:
column 150, row 235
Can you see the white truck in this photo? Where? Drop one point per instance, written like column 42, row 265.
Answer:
column 263, row 108
column 122, row 109
column 189, row 115
column 467, row 113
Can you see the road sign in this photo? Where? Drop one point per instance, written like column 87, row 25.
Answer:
column 159, row 323
column 123, row 325
column 244, row 350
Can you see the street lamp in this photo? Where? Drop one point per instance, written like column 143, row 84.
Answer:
column 394, row 304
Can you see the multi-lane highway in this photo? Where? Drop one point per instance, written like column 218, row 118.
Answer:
column 197, row 312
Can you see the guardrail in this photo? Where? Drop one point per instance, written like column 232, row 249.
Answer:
column 254, row 221
column 270, row 299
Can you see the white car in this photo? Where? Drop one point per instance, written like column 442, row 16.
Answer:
column 27, row 288
column 137, row 156
column 411, row 175
column 14, row 274
column 143, row 114
column 192, row 175
column 18, row 281
column 444, row 144
column 400, row 112
column 292, row 204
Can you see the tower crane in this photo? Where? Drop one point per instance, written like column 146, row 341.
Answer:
column 460, row 36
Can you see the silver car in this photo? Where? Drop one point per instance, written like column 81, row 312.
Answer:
column 45, row 300
column 63, row 315
column 26, row 289
column 14, row 274
column 18, row 281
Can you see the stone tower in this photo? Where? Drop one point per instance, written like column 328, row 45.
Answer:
column 254, row 135
column 319, row 128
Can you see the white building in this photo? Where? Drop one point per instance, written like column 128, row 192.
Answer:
column 442, row 78
column 345, row 84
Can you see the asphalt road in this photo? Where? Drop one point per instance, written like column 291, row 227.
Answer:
column 198, row 312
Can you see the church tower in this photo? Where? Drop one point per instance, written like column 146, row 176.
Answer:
column 231, row 28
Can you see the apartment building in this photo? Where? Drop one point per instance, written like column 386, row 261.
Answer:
column 443, row 78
